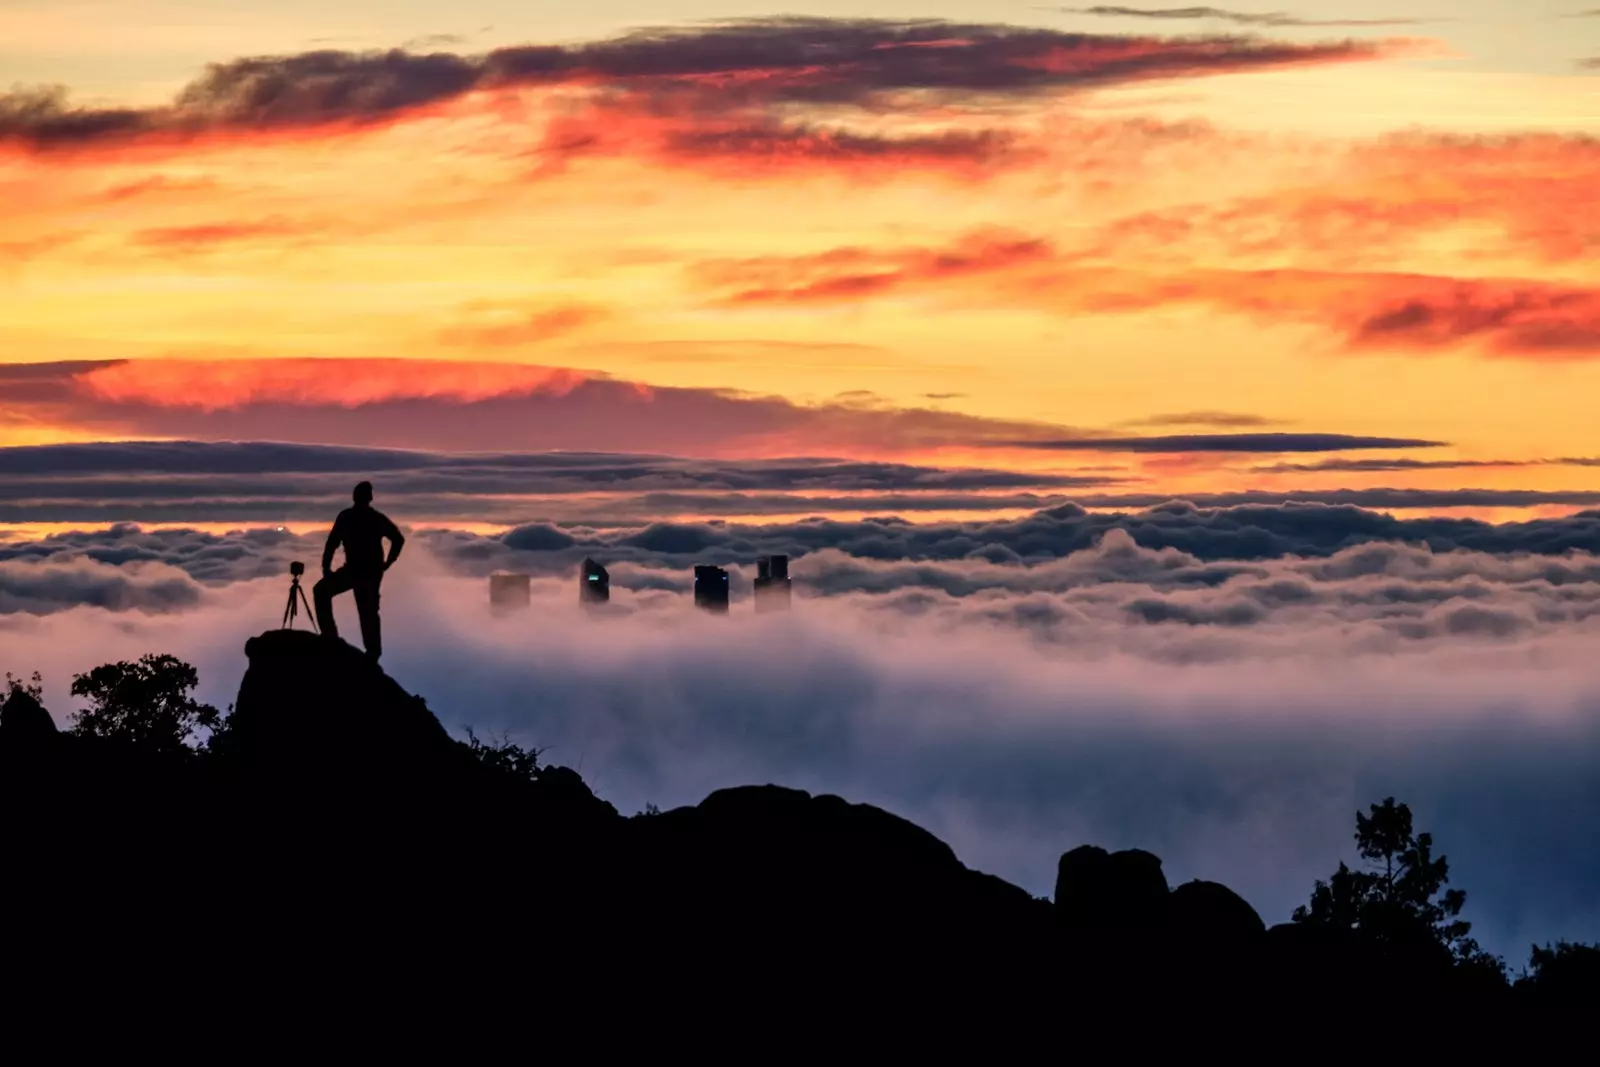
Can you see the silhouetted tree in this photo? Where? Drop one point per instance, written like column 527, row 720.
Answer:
column 145, row 704
column 1563, row 969
column 33, row 688
column 1400, row 898
column 504, row 756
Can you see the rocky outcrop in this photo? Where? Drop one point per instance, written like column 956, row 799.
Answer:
column 337, row 823
column 1121, row 931
column 1100, row 890
column 311, row 704
column 332, row 764
column 1125, row 894
column 327, row 764
column 820, row 876
column 1210, row 913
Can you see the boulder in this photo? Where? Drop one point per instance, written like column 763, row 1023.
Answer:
column 770, row 872
column 1212, row 913
column 1100, row 890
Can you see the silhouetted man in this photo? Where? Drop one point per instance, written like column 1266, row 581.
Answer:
column 361, row 530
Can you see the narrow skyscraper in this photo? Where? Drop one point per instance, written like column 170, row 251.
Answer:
column 508, row 593
column 594, row 584
column 772, row 583
column 711, row 589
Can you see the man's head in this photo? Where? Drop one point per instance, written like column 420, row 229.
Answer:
column 363, row 493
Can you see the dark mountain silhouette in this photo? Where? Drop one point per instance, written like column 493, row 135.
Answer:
column 332, row 833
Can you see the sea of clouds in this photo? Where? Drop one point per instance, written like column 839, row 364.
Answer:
column 1230, row 715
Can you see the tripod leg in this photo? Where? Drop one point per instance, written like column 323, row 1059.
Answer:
column 288, row 612
column 311, row 616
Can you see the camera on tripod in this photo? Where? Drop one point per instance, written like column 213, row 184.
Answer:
column 297, row 597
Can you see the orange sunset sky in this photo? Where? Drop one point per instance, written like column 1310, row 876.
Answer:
column 1026, row 237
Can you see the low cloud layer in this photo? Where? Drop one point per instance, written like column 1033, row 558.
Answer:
column 1232, row 717
column 1229, row 442
column 1389, row 499
column 1207, row 546
column 537, row 472
column 276, row 483
column 69, row 581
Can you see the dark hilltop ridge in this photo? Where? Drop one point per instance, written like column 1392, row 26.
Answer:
column 332, row 830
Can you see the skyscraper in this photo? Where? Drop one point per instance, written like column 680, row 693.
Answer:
column 772, row 583
column 508, row 593
column 594, row 584
column 711, row 589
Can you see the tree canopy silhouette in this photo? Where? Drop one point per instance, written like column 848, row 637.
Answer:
column 1563, row 969
column 32, row 688
column 1400, row 899
column 146, row 704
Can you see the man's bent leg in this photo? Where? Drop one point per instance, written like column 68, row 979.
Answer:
column 322, row 595
column 367, row 606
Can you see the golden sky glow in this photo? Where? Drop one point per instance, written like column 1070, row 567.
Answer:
column 1300, row 232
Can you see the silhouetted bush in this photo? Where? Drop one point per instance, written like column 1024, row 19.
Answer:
column 144, row 704
column 505, row 757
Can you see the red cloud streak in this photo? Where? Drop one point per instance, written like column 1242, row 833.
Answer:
column 1509, row 317
column 1534, row 189
column 212, row 386
column 851, row 273
column 191, row 237
column 451, row 406
column 529, row 328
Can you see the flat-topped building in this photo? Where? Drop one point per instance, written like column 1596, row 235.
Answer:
column 711, row 589
column 772, row 583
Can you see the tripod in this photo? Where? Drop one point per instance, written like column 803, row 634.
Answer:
column 297, row 596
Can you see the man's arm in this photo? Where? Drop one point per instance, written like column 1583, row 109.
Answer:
column 397, row 541
column 335, row 539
